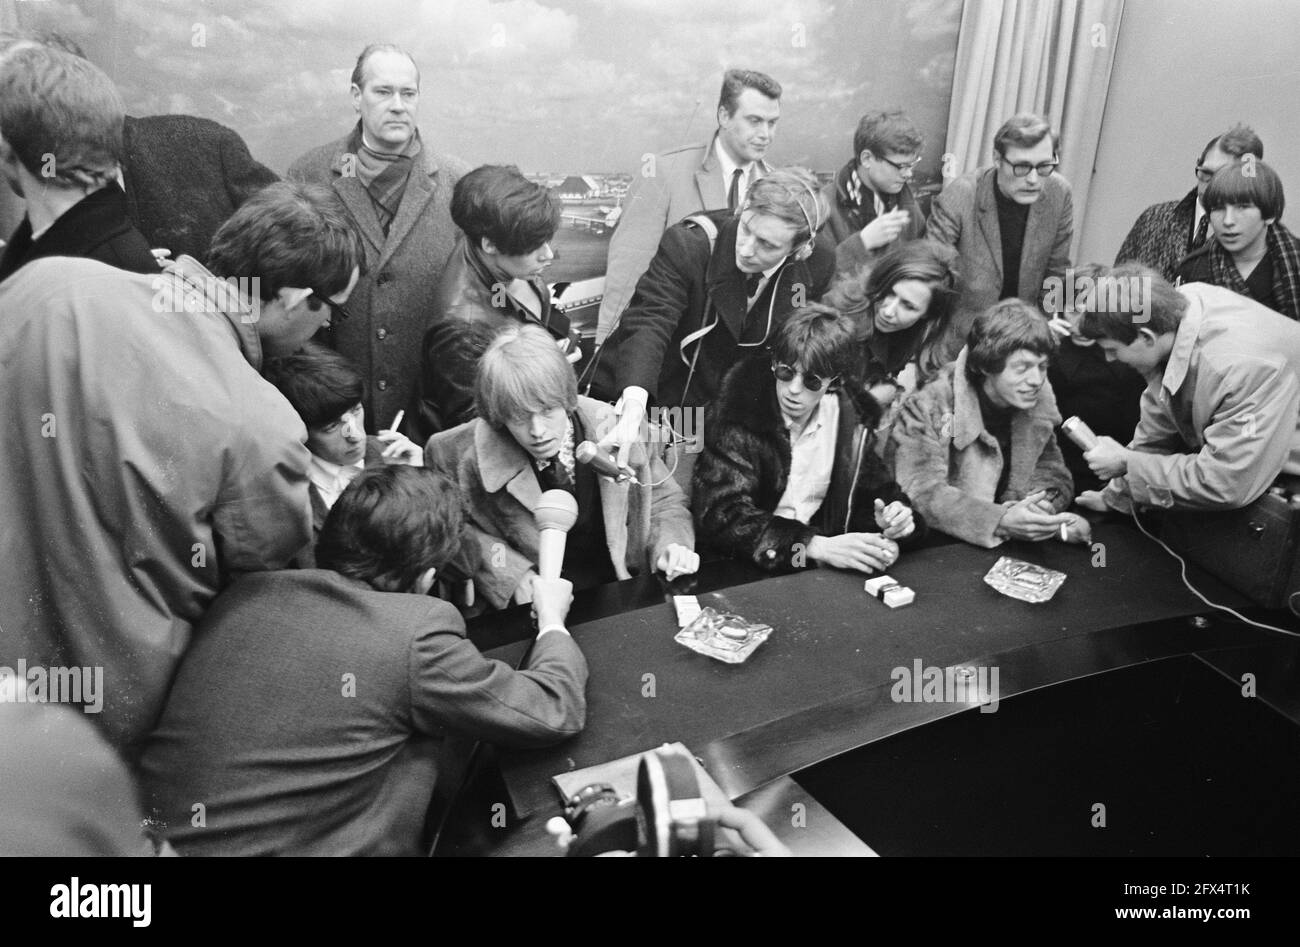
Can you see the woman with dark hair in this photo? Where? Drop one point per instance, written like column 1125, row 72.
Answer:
column 901, row 305
column 1252, row 253
column 789, row 475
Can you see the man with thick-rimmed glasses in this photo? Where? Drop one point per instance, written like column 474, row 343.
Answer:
column 871, row 202
column 1164, row 233
column 1012, row 222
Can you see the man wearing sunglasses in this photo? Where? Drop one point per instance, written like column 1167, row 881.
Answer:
column 871, row 202
column 790, row 475
column 1165, row 233
column 1011, row 223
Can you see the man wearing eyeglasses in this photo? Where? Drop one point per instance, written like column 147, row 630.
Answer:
column 1165, row 233
column 871, row 202
column 1011, row 223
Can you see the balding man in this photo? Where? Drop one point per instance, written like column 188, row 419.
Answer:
column 398, row 193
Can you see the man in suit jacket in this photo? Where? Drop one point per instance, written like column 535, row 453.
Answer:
column 688, row 180
column 60, row 143
column 872, row 206
column 310, row 715
column 399, row 195
column 184, row 176
column 1011, row 223
column 1165, row 233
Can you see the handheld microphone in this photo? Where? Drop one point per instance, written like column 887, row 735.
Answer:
column 555, row 515
column 588, row 453
column 1080, row 433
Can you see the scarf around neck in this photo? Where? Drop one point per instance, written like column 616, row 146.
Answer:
column 384, row 176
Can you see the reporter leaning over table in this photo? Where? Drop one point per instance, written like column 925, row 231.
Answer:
column 789, row 476
column 975, row 448
column 530, row 421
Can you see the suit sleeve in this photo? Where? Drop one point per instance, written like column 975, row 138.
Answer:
column 944, row 225
column 670, row 519
column 1051, row 473
column 726, row 481
column 631, row 248
column 921, row 446
column 660, row 300
column 454, row 687
column 244, row 176
column 1244, row 446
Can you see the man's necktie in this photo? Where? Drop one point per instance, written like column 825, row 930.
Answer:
column 733, row 195
column 751, row 284
column 1202, row 231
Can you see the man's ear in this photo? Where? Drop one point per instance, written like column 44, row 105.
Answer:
column 488, row 247
column 1148, row 336
column 424, row 582
column 356, row 98
column 722, row 114
column 865, row 156
column 292, row 297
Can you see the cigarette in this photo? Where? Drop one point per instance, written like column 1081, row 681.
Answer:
column 397, row 419
column 1065, row 532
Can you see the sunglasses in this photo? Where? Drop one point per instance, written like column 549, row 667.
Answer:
column 338, row 312
column 812, row 382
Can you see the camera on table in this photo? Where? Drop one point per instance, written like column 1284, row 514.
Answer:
column 668, row 818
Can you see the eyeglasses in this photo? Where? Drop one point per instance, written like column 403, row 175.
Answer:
column 1021, row 169
column 338, row 313
column 812, row 382
column 902, row 167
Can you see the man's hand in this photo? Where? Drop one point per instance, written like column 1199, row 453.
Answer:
column 400, row 449
column 865, row 552
column 1091, row 500
column 1108, row 458
column 1027, row 519
column 524, row 590
column 1078, row 530
column 677, row 560
column 884, row 393
column 894, row 520
column 631, row 410
column 1061, row 326
column 753, row 832
column 551, row 600
column 885, row 229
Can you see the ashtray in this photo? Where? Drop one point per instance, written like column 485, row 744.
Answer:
column 1024, row 580
column 722, row 635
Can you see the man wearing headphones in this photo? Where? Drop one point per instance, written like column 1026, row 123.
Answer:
column 718, row 289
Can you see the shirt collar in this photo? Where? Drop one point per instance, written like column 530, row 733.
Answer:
column 328, row 475
column 729, row 166
column 1189, row 330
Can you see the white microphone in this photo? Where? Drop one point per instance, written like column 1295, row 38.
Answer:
column 555, row 515
column 591, row 455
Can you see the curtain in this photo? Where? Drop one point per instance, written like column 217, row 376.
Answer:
column 1052, row 58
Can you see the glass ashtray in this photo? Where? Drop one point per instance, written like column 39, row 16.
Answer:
column 1024, row 580
column 724, row 636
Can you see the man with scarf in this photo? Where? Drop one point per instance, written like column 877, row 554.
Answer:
column 1252, row 253
column 398, row 194
column 871, row 200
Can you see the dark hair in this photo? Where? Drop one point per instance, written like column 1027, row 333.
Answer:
column 358, row 77
column 1024, row 130
column 857, row 293
column 320, row 383
column 1132, row 297
column 1246, row 182
column 391, row 525
column 61, row 115
column 819, row 340
column 886, row 131
column 497, row 202
column 736, row 81
column 297, row 235
column 1003, row 329
column 1237, row 141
